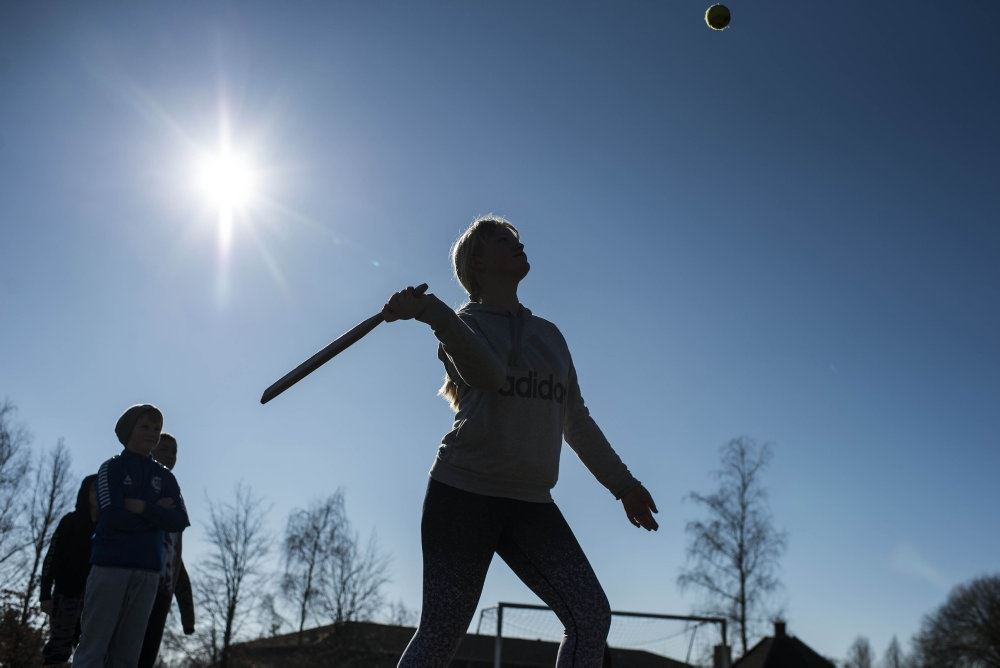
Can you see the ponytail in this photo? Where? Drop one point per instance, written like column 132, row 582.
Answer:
column 449, row 392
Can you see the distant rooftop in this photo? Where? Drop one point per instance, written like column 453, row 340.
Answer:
column 782, row 651
column 370, row 645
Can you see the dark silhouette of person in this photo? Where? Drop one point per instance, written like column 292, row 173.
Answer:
column 174, row 579
column 138, row 501
column 510, row 378
column 64, row 575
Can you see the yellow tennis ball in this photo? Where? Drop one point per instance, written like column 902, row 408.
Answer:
column 717, row 17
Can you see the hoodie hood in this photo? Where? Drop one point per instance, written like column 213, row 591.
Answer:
column 515, row 323
column 476, row 307
column 83, row 497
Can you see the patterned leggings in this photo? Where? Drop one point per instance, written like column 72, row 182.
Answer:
column 460, row 531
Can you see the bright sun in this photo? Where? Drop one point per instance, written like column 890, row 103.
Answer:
column 228, row 179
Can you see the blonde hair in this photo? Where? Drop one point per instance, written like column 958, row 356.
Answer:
column 467, row 247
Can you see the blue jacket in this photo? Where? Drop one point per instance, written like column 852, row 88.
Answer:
column 124, row 539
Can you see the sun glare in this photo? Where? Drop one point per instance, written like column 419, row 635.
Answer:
column 229, row 180
column 229, row 184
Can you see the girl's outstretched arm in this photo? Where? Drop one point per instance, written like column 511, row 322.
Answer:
column 586, row 438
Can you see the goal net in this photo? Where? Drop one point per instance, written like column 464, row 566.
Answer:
column 682, row 638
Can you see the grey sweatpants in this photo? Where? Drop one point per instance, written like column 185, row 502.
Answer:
column 115, row 611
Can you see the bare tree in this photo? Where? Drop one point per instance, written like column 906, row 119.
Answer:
column 313, row 536
column 733, row 554
column 271, row 620
column 328, row 574
column 860, row 654
column 232, row 576
column 14, row 465
column 20, row 641
column 51, row 495
column 201, row 650
column 357, row 577
column 398, row 614
column 893, row 657
column 965, row 630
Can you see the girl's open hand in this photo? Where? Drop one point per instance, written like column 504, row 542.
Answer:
column 639, row 508
column 406, row 304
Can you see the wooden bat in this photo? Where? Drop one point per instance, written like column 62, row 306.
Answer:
column 334, row 348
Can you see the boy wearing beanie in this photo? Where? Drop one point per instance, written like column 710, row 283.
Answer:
column 138, row 501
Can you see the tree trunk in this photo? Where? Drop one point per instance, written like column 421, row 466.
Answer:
column 303, row 610
column 743, row 614
column 227, row 635
column 29, row 591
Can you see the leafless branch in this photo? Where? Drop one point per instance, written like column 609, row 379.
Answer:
column 734, row 552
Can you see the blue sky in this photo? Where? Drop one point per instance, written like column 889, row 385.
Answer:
column 787, row 230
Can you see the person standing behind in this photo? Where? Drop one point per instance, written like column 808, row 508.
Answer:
column 65, row 569
column 173, row 577
column 138, row 501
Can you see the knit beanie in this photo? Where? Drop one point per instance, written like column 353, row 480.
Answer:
column 126, row 423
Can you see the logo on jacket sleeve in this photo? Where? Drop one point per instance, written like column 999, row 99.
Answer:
column 156, row 483
column 530, row 387
column 127, row 480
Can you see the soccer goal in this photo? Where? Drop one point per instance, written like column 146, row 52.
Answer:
column 637, row 638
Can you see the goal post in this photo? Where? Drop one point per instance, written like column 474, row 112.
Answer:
column 665, row 635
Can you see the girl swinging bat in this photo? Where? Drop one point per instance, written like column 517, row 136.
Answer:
column 510, row 378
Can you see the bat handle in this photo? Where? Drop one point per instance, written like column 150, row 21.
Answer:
column 418, row 291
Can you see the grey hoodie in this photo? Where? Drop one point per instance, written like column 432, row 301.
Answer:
column 518, row 399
